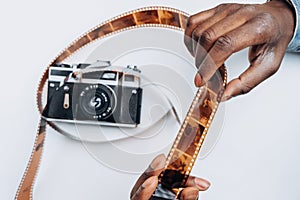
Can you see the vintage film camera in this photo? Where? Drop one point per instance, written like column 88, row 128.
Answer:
column 95, row 93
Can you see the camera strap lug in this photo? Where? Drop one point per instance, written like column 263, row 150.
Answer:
column 160, row 17
column 66, row 101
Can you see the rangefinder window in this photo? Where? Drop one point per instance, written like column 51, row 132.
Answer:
column 60, row 73
column 109, row 76
column 129, row 78
column 94, row 96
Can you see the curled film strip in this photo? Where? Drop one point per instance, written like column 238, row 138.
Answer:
column 195, row 125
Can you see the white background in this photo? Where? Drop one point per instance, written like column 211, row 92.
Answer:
column 255, row 158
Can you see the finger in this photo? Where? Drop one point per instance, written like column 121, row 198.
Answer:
column 145, row 191
column 259, row 70
column 211, row 32
column 154, row 169
column 192, row 22
column 189, row 193
column 198, row 30
column 199, row 183
column 254, row 32
column 224, row 15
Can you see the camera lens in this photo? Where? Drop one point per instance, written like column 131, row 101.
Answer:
column 97, row 101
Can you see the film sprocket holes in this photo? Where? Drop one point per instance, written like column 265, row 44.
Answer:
column 95, row 93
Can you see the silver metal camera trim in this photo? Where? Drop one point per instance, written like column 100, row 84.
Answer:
column 59, row 78
column 94, row 67
column 113, row 109
column 74, row 121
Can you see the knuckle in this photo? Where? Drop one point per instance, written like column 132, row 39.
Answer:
column 222, row 6
column 224, row 43
column 266, row 18
column 197, row 33
column 192, row 21
column 248, row 8
column 207, row 37
column 265, row 23
column 244, row 87
column 228, row 7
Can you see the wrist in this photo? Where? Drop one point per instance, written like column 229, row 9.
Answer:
column 289, row 12
column 293, row 7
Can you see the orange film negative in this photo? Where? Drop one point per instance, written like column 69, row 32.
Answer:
column 191, row 136
column 192, row 133
column 160, row 17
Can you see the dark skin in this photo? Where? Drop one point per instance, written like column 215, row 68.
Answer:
column 147, row 183
column 212, row 36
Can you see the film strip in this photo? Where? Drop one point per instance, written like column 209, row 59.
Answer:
column 161, row 17
column 190, row 138
column 193, row 130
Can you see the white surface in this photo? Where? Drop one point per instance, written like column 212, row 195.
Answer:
column 158, row 56
column 255, row 158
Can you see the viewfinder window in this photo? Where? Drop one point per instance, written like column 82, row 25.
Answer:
column 109, row 76
column 129, row 78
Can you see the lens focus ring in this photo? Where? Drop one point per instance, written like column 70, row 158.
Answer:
column 97, row 101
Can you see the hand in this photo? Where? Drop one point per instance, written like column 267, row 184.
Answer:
column 214, row 35
column 148, row 181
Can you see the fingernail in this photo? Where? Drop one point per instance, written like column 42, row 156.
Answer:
column 202, row 184
column 158, row 162
column 198, row 80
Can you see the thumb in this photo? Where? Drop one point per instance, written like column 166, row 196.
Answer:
column 259, row 70
column 146, row 190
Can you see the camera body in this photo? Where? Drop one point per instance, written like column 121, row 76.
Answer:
column 94, row 94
